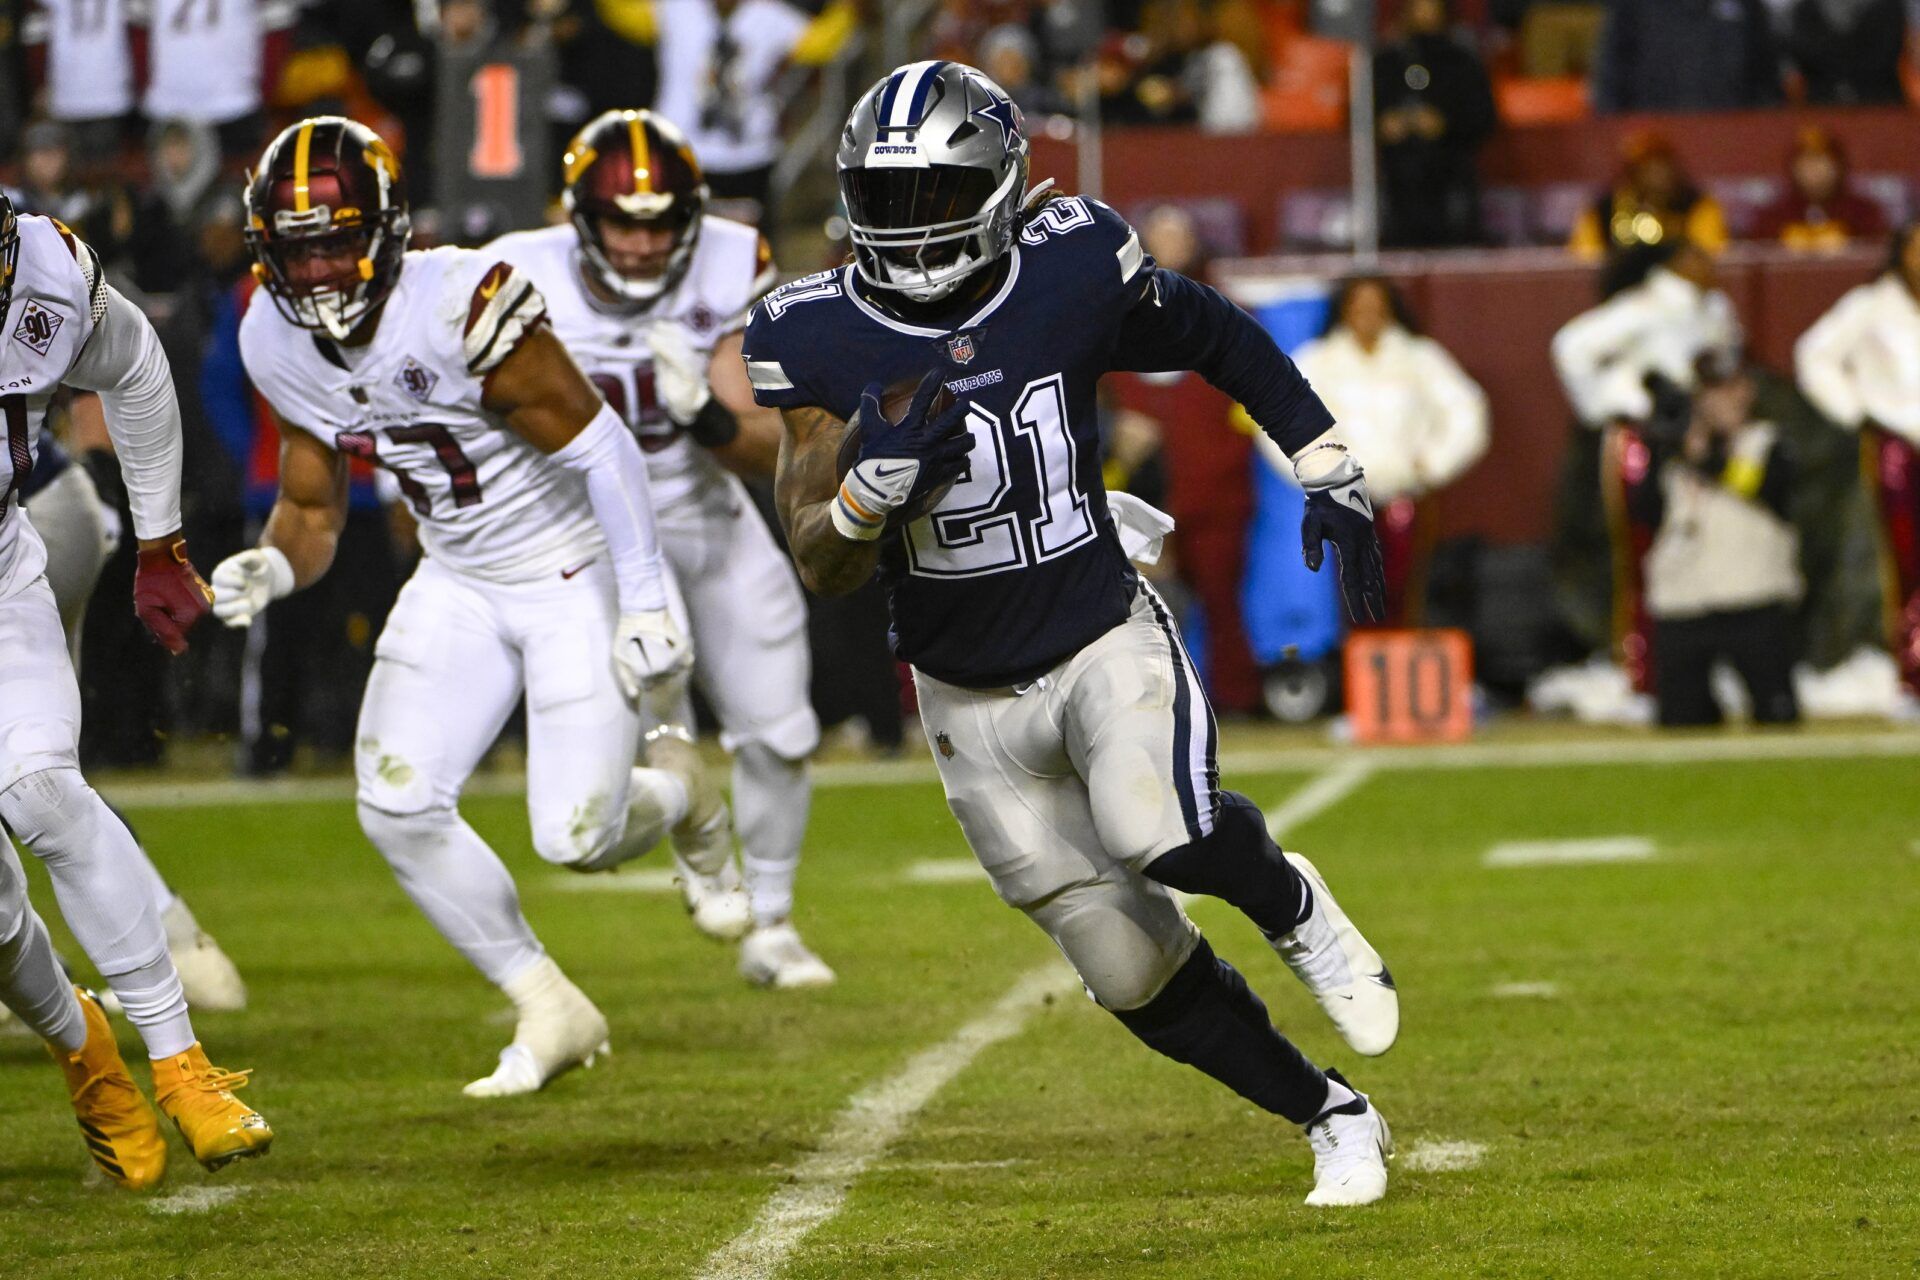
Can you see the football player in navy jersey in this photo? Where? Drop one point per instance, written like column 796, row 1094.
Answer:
column 1072, row 735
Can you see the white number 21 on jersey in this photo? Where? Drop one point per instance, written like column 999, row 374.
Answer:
column 984, row 525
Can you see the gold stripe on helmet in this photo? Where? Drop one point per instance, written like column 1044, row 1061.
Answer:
column 642, row 161
column 302, row 156
column 578, row 160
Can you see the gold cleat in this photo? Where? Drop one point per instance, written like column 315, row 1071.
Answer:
column 122, row 1133
column 198, row 1097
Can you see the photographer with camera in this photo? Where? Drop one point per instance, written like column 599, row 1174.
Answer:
column 1723, row 572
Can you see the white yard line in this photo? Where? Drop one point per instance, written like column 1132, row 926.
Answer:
column 944, row 871
column 625, row 880
column 141, row 794
column 1569, row 853
column 1320, row 794
column 194, row 1200
column 1431, row 1155
column 1524, row 990
column 871, row 1122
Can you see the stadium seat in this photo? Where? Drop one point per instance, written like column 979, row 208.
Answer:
column 1308, row 90
column 1891, row 191
column 1220, row 220
column 1742, row 200
column 1557, row 206
column 1503, row 215
column 1537, row 100
column 1317, row 218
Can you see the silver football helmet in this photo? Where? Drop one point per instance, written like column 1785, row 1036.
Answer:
column 933, row 167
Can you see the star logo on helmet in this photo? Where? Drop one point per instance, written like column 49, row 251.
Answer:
column 1002, row 112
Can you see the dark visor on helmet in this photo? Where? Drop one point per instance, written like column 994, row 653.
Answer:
column 896, row 199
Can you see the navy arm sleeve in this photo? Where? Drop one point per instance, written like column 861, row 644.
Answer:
column 1177, row 323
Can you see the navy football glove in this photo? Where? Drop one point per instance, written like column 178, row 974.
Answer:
column 899, row 470
column 1340, row 511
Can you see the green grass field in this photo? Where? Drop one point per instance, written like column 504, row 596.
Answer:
column 1723, row 1080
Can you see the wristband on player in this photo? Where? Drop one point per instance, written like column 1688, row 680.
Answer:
column 714, row 426
column 853, row 520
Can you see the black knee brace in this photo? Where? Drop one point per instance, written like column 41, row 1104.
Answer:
column 1207, row 1018
column 1239, row 863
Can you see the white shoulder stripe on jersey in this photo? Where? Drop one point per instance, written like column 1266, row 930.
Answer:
column 768, row 375
column 1130, row 256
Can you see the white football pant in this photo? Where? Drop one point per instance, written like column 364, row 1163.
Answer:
column 453, row 661
column 1069, row 787
column 100, row 878
column 749, row 627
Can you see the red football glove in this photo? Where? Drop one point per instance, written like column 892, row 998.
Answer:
column 169, row 595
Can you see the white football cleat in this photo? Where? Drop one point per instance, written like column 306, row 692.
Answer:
column 559, row 1029
column 773, row 956
column 211, row 980
column 1350, row 1149
column 717, row 903
column 1344, row 973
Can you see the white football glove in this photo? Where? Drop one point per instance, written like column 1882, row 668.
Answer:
column 649, row 649
column 245, row 584
column 679, row 371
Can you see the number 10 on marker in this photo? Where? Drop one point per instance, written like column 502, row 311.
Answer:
column 1410, row 686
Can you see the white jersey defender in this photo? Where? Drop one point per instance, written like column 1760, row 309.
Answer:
column 490, row 505
column 541, row 573
column 61, row 323
column 639, row 331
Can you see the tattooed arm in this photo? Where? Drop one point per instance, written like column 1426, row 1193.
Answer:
column 804, row 488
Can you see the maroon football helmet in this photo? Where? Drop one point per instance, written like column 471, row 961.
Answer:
column 637, row 168
column 9, row 250
column 327, row 222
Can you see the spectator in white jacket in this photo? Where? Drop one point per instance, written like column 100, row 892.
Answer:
column 1409, row 412
column 1661, row 313
column 1860, row 366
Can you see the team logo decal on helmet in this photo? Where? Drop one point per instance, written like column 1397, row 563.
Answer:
column 933, row 168
column 634, row 168
column 328, row 224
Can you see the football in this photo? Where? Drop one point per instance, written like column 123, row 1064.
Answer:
column 894, row 402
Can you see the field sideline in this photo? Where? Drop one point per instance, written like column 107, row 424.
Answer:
column 1668, row 1032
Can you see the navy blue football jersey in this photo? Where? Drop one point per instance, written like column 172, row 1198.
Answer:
column 1019, row 566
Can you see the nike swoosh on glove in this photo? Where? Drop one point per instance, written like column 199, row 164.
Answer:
column 1340, row 511
column 169, row 595
column 900, row 462
column 648, row 649
column 244, row 584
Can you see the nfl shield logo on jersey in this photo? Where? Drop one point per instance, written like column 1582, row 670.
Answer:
column 960, row 347
column 38, row 327
column 416, row 380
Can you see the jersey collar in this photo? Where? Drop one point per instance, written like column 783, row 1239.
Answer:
column 852, row 286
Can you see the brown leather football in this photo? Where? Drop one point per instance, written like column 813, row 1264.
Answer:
column 894, row 402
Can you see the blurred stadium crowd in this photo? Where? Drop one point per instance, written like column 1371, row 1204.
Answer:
column 131, row 120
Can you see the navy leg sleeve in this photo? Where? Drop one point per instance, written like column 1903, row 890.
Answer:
column 1240, row 864
column 1207, row 1018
